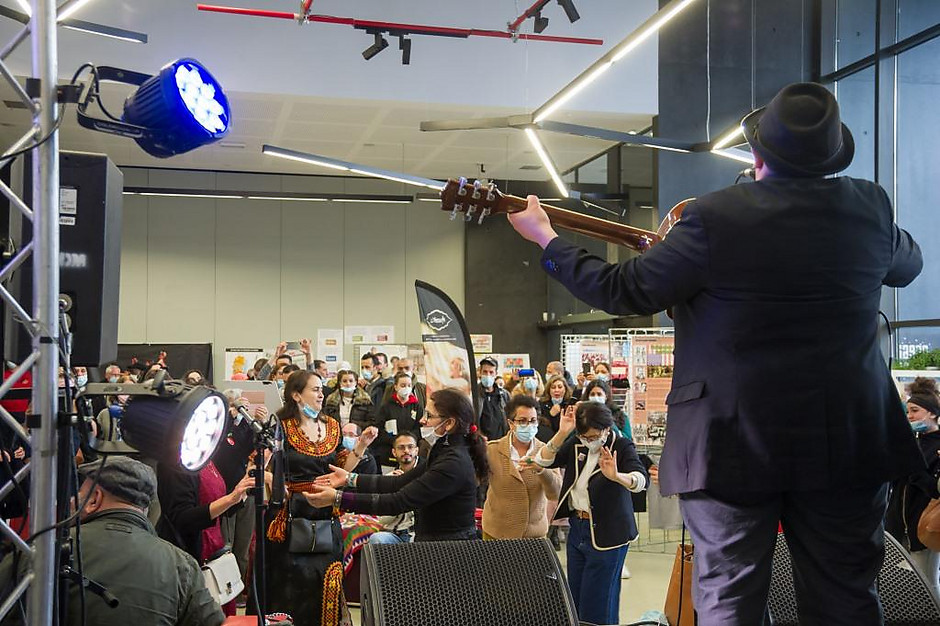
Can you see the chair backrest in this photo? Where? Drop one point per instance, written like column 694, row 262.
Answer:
column 905, row 595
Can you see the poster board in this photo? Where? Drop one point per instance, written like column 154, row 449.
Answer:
column 330, row 348
column 651, row 365
column 240, row 360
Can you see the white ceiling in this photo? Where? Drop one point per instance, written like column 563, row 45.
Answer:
column 308, row 88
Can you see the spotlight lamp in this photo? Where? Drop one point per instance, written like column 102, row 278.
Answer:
column 177, row 110
column 171, row 422
column 381, row 43
column 570, row 11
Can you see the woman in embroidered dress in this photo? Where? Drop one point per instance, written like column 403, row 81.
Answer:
column 306, row 585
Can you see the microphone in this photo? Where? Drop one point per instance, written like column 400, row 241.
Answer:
column 243, row 415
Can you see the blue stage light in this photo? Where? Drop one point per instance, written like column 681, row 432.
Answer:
column 184, row 103
column 179, row 109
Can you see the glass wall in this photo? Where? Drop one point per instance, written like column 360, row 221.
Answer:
column 889, row 100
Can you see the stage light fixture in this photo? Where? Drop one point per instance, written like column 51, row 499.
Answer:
column 168, row 421
column 570, row 11
column 177, row 110
column 404, row 44
column 381, row 43
column 540, row 23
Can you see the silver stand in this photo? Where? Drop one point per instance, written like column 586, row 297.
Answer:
column 40, row 554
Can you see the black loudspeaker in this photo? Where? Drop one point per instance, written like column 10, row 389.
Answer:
column 90, row 202
column 906, row 597
column 514, row 582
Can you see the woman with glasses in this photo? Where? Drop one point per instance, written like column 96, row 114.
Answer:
column 441, row 492
column 601, row 469
column 516, row 500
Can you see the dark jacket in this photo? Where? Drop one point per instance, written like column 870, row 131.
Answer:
column 779, row 382
column 231, row 458
column 182, row 518
column 361, row 412
column 407, row 418
column 156, row 583
column 550, row 425
column 612, row 521
column 441, row 492
column 493, row 414
column 911, row 495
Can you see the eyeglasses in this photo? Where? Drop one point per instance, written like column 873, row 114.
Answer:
column 431, row 416
column 406, row 447
column 534, row 420
column 594, row 438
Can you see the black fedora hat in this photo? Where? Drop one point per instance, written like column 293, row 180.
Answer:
column 799, row 132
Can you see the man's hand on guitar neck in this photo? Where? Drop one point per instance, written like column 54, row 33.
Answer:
column 533, row 223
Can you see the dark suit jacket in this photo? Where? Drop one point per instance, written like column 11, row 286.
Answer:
column 779, row 383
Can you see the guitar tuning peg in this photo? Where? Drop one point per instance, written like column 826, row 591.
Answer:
column 476, row 195
column 470, row 211
column 491, row 192
column 462, row 191
column 483, row 215
column 453, row 214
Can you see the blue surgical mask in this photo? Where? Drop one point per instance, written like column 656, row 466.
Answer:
column 113, row 379
column 557, row 400
column 348, row 389
column 525, row 434
column 599, row 399
column 530, row 384
column 487, row 380
column 603, row 377
column 81, row 380
column 310, row 412
column 280, row 383
column 350, row 443
column 919, row 427
column 367, row 374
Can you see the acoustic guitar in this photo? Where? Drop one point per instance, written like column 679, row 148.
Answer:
column 478, row 201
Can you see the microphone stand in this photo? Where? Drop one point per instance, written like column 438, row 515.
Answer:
column 263, row 440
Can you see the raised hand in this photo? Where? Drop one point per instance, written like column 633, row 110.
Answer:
column 320, row 496
column 566, row 423
column 335, row 479
column 280, row 349
column 261, row 412
column 608, row 464
column 305, row 346
column 369, row 435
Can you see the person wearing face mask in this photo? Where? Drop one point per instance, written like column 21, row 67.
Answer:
column 442, row 492
column 112, row 373
column 598, row 390
column 420, row 389
column 302, row 580
column 401, row 413
column 554, row 401
column 516, row 500
column 494, row 399
column 349, row 403
column 910, row 495
column 356, row 442
column 601, row 468
column 530, row 384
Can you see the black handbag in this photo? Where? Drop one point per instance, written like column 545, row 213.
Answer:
column 310, row 536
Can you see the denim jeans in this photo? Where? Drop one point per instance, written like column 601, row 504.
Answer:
column 383, row 537
column 593, row 575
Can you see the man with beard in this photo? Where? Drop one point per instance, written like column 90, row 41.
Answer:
column 398, row 528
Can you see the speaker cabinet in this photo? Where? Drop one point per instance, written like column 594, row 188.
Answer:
column 516, row 582
column 906, row 597
column 90, row 202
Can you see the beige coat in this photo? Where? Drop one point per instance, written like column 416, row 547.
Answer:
column 515, row 501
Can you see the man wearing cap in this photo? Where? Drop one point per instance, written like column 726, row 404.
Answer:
column 493, row 413
column 154, row 582
column 782, row 408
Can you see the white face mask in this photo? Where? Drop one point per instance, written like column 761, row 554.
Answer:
column 594, row 446
column 404, row 393
column 429, row 434
column 601, row 399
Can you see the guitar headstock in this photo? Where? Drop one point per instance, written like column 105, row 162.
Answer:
column 474, row 200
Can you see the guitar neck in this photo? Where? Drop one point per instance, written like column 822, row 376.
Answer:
column 620, row 234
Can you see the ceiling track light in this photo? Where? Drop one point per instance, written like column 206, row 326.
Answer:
column 570, row 11
column 404, row 44
column 380, row 43
column 540, row 22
